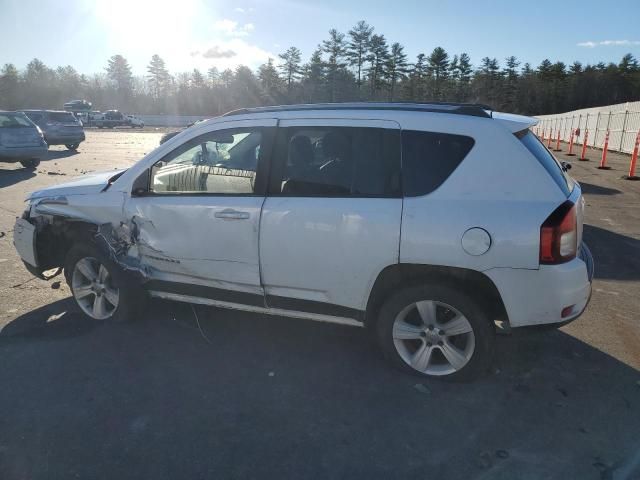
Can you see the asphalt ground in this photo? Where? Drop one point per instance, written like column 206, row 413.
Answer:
column 271, row 397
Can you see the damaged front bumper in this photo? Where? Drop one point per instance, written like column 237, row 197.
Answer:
column 24, row 240
column 42, row 241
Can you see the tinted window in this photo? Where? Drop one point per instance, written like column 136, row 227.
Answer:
column 429, row 158
column 548, row 161
column 217, row 163
column 337, row 162
column 61, row 117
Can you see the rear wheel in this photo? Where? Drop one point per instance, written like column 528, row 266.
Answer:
column 436, row 331
column 72, row 146
column 99, row 287
column 31, row 163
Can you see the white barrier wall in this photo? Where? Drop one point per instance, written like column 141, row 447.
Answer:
column 170, row 120
column 621, row 120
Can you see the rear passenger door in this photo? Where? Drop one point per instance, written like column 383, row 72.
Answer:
column 331, row 219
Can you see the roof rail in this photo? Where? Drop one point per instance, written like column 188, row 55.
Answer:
column 471, row 109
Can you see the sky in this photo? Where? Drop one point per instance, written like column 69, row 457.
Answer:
column 190, row 34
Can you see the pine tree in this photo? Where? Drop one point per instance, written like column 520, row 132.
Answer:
column 197, row 78
column 290, row 66
column 510, row 73
column 213, row 75
column 378, row 57
column 314, row 78
column 336, row 49
column 396, row 67
column 269, row 80
column 358, row 48
column 464, row 72
column 9, row 86
column 417, row 76
column 119, row 72
column 439, row 69
column 158, row 76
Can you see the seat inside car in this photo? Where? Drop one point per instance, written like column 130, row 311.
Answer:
column 300, row 170
column 338, row 168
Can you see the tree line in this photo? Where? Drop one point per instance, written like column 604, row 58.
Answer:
column 361, row 65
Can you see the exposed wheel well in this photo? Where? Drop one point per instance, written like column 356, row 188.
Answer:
column 56, row 237
column 475, row 284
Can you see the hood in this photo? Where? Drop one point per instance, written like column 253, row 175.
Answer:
column 84, row 185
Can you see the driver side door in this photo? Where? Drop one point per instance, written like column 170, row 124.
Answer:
column 198, row 221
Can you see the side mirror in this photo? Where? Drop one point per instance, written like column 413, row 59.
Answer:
column 141, row 185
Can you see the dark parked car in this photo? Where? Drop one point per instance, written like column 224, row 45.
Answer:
column 169, row 135
column 59, row 128
column 20, row 140
column 77, row 106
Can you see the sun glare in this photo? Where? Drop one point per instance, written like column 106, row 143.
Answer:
column 167, row 24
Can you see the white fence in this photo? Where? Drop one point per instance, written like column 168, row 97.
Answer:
column 622, row 121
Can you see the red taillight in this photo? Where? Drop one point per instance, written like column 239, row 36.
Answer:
column 559, row 235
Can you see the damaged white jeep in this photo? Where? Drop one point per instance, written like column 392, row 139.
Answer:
column 428, row 223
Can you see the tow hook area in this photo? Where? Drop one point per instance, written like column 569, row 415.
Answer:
column 43, row 275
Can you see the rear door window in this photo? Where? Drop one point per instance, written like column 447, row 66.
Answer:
column 547, row 160
column 330, row 161
column 428, row 158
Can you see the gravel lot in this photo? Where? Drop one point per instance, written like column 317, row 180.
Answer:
column 272, row 397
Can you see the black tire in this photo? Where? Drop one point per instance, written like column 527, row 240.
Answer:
column 132, row 297
column 72, row 146
column 31, row 164
column 482, row 328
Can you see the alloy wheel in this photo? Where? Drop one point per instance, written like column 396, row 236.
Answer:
column 433, row 338
column 93, row 289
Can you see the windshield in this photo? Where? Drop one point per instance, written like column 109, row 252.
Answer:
column 548, row 161
column 14, row 120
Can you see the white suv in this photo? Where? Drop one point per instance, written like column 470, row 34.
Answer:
column 427, row 223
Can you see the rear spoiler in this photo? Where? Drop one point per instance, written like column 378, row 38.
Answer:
column 515, row 123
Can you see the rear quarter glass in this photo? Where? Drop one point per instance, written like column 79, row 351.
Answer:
column 429, row 158
column 547, row 160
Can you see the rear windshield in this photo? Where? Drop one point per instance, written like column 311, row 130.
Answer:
column 547, row 160
column 61, row 117
column 14, row 120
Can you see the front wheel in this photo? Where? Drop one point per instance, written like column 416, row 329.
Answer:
column 436, row 331
column 72, row 146
column 30, row 164
column 99, row 287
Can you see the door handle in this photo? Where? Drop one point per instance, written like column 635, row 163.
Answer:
column 230, row 214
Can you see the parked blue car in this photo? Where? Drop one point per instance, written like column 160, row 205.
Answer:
column 59, row 128
column 21, row 140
